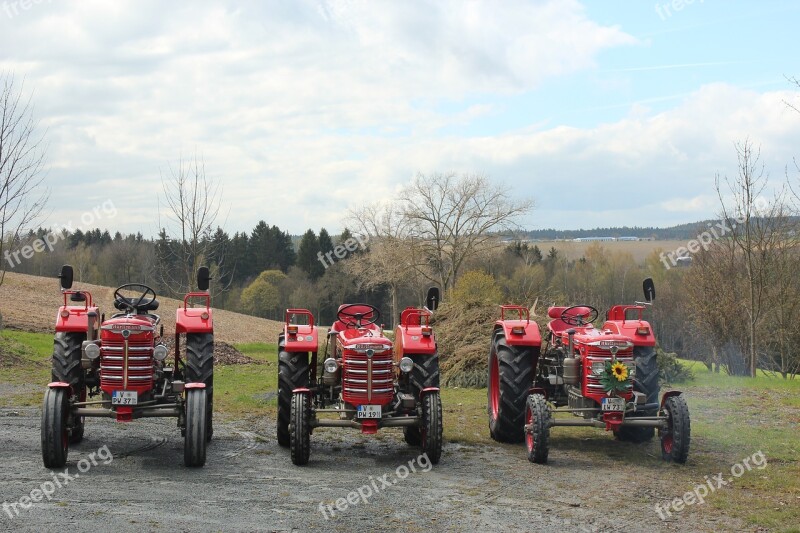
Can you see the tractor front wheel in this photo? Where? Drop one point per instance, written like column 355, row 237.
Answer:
column 194, row 446
column 55, row 436
column 292, row 374
column 200, row 369
column 300, row 428
column 431, row 434
column 537, row 428
column 510, row 378
column 675, row 439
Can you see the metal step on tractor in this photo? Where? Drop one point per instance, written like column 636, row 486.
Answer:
column 118, row 368
column 604, row 377
column 362, row 380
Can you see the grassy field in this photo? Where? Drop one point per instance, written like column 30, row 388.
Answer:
column 638, row 249
column 732, row 419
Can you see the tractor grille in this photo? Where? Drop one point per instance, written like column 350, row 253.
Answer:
column 138, row 363
column 593, row 383
column 366, row 383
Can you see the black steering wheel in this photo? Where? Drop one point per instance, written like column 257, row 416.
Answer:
column 579, row 319
column 133, row 303
column 357, row 319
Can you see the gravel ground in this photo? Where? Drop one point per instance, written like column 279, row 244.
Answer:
column 249, row 484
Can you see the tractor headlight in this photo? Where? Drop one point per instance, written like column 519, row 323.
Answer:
column 91, row 350
column 160, row 352
column 406, row 365
column 598, row 367
column 331, row 366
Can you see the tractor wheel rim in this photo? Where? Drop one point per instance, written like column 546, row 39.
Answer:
column 666, row 443
column 494, row 387
column 529, row 433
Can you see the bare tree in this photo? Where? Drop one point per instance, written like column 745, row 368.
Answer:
column 452, row 218
column 192, row 207
column 757, row 229
column 387, row 261
column 21, row 169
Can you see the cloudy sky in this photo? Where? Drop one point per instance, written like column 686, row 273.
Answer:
column 606, row 113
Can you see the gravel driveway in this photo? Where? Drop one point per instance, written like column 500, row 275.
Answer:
column 249, row 484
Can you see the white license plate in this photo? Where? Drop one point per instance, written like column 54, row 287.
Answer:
column 368, row 411
column 613, row 404
column 124, row 397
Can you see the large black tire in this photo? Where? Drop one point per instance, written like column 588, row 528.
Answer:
column 646, row 382
column 537, row 434
column 510, row 378
column 432, row 427
column 66, row 367
column 55, row 436
column 675, row 440
column 300, row 428
column 194, row 444
column 200, row 369
column 425, row 373
column 292, row 374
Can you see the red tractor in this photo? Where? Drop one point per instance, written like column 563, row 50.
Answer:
column 605, row 378
column 117, row 368
column 363, row 381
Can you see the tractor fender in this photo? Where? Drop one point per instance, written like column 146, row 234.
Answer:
column 301, row 390
column 520, row 332
column 58, row 385
column 195, row 385
column 631, row 329
column 73, row 319
column 668, row 395
column 194, row 320
column 305, row 340
column 409, row 339
column 428, row 390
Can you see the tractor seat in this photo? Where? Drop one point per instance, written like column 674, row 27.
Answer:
column 142, row 309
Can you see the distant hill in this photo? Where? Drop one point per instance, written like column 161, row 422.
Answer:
column 679, row 232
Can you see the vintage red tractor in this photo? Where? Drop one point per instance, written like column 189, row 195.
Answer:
column 118, row 368
column 363, row 380
column 605, row 378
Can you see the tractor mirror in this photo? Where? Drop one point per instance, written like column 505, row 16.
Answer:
column 203, row 278
column 432, row 299
column 66, row 277
column 649, row 289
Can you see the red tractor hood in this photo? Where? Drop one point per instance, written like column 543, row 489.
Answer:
column 368, row 335
column 133, row 324
column 590, row 335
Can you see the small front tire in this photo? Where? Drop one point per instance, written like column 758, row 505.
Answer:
column 194, row 447
column 300, row 428
column 675, row 439
column 55, row 435
column 537, row 428
column 432, row 427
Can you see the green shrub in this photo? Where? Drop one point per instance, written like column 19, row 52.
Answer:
column 476, row 288
column 670, row 370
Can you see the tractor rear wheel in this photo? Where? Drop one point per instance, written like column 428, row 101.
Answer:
column 537, row 432
column 292, row 374
column 510, row 378
column 675, row 440
column 300, row 428
column 432, row 426
column 66, row 367
column 646, row 382
column 55, row 436
column 425, row 373
column 194, row 444
column 200, row 369
column 412, row 436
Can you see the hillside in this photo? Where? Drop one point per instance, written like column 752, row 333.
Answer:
column 30, row 303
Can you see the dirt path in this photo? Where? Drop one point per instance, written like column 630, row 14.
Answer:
column 249, row 484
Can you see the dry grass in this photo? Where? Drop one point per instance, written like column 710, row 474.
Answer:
column 30, row 303
column 638, row 249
